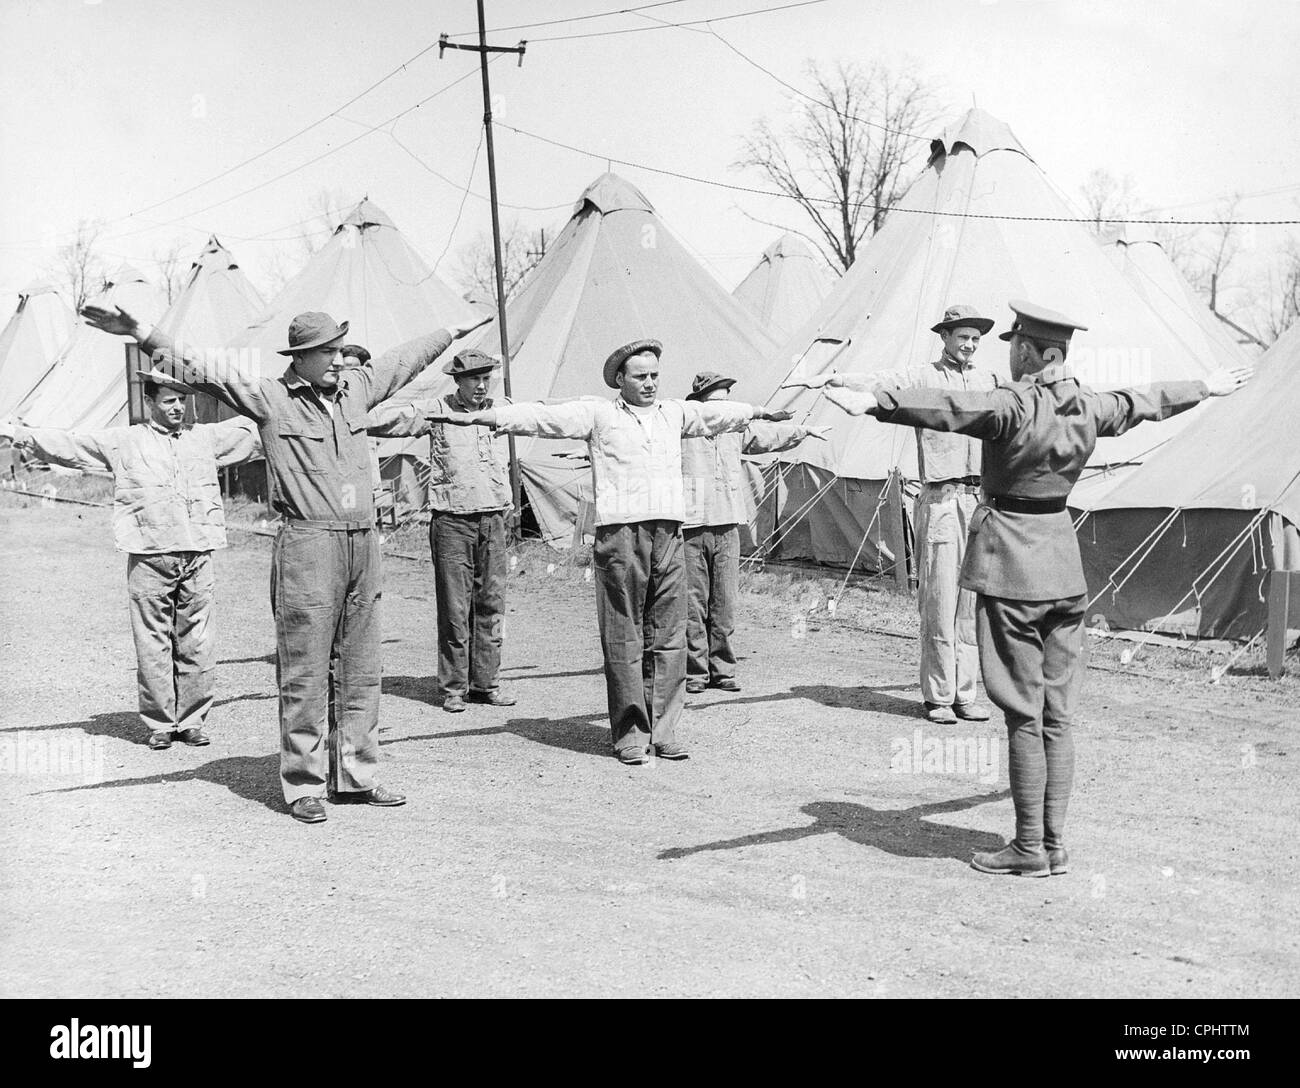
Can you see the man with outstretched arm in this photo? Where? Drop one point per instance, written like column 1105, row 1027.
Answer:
column 168, row 517
column 1022, row 558
column 715, row 507
column 949, row 467
column 635, row 444
column 325, row 565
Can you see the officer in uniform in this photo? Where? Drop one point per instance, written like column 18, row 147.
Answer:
column 1022, row 557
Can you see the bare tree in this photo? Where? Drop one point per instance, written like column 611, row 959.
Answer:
column 521, row 251
column 1107, row 199
column 331, row 208
column 1280, row 308
column 845, row 156
column 80, row 266
column 173, row 269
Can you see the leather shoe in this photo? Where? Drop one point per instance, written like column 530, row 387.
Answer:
column 1058, row 860
column 1011, row 860
column 454, row 704
column 495, row 697
column 632, row 757
column 380, row 797
column 727, row 683
column 940, row 715
column 694, row 687
column 159, row 740
column 971, row 712
column 308, row 810
column 671, row 751
column 196, row 738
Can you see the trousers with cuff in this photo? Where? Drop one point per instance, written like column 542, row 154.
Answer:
column 469, row 570
column 325, row 591
column 713, row 583
column 171, row 597
column 950, row 659
column 641, row 612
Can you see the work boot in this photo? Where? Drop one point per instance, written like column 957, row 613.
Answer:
column 1011, row 859
column 694, row 687
column 308, row 810
column 379, row 796
column 971, row 712
column 727, row 683
column 160, row 739
column 495, row 697
column 195, row 738
column 632, row 757
column 940, row 715
column 671, row 751
column 454, row 704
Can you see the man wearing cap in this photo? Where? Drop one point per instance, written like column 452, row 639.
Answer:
column 949, row 466
column 168, row 518
column 715, row 506
column 469, row 496
column 635, row 446
column 325, row 565
column 1022, row 559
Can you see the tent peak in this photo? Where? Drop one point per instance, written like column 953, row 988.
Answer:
column 788, row 245
column 365, row 214
column 611, row 193
column 980, row 131
column 125, row 273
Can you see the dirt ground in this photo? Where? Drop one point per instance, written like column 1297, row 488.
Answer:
column 798, row 853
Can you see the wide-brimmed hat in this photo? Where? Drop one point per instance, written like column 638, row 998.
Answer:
column 312, row 330
column 705, row 383
column 158, row 377
column 621, row 355
column 1040, row 323
column 958, row 317
column 471, row 361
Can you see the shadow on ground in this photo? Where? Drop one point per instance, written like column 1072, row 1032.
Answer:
column 254, row 778
column 905, row 833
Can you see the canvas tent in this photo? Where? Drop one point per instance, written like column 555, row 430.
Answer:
column 786, row 286
column 615, row 273
column 1189, row 539
column 215, row 304
column 368, row 275
column 945, row 244
column 31, row 341
column 86, row 388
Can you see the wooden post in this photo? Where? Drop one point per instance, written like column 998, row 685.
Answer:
column 895, row 533
column 1279, row 598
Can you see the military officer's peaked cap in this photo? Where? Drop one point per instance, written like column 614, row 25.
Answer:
column 621, row 355
column 471, row 361
column 963, row 317
column 1040, row 323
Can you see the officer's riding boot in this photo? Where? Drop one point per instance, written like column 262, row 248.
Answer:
column 1024, row 856
column 1058, row 858
column 1059, row 750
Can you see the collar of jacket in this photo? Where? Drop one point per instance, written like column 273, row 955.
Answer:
column 1049, row 375
column 619, row 402
column 293, row 380
column 947, row 360
column 167, row 432
column 455, row 403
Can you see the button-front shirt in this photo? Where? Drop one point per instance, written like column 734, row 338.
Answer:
column 711, row 472
column 1037, row 437
column 636, row 464
column 939, row 456
column 165, row 493
column 469, row 468
column 318, row 454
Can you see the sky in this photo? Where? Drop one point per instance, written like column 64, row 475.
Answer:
column 113, row 109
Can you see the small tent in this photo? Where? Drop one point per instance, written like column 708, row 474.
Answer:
column 86, row 389
column 982, row 225
column 1189, row 539
column 31, row 341
column 786, row 286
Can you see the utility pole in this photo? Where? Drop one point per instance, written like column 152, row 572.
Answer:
column 483, row 49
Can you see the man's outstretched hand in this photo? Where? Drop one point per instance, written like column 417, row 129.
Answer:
column 815, row 382
column 110, row 319
column 1228, row 380
column 856, row 404
column 459, row 419
column 467, row 327
column 774, row 417
column 818, row 432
